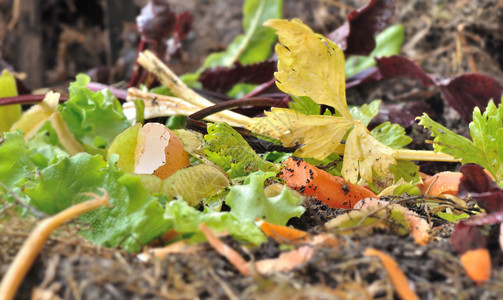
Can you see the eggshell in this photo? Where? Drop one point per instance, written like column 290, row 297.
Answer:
column 159, row 151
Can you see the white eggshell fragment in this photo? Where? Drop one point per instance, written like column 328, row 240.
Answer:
column 161, row 152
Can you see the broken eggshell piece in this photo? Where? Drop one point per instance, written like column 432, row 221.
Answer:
column 159, row 151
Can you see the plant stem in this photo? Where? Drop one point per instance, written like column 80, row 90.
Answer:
column 424, row 155
column 149, row 61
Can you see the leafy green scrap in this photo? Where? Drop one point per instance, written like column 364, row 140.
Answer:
column 486, row 131
column 134, row 217
column 248, row 201
column 94, row 118
column 228, row 149
column 255, row 44
column 186, row 220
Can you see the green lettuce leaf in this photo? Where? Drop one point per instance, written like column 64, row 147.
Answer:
column 9, row 114
column 391, row 135
column 228, row 149
column 248, row 201
column 134, row 218
column 486, row 131
column 256, row 43
column 305, row 105
column 94, row 118
column 366, row 112
column 407, row 170
column 15, row 163
column 388, row 43
column 186, row 219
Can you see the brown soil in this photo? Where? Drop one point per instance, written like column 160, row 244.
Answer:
column 71, row 268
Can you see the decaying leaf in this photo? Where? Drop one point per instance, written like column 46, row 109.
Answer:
column 311, row 65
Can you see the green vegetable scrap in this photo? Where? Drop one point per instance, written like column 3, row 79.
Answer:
column 94, row 118
column 486, row 147
column 228, row 149
column 248, row 201
column 134, row 218
column 186, row 220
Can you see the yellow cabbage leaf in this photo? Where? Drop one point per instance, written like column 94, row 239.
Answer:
column 363, row 153
column 47, row 110
column 9, row 114
column 320, row 135
column 311, row 65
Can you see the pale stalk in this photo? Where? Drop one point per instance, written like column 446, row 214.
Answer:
column 419, row 155
column 33, row 245
column 162, row 106
column 149, row 61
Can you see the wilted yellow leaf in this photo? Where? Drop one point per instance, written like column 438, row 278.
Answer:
column 310, row 65
column 363, row 153
column 9, row 114
column 37, row 115
column 320, row 135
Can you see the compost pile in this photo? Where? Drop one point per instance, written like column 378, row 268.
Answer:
column 257, row 149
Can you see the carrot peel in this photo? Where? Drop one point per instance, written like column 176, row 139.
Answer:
column 329, row 189
column 398, row 279
column 281, row 233
column 477, row 264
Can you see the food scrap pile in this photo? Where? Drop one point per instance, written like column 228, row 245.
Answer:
column 252, row 177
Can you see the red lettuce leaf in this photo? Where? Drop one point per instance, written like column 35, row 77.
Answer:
column 476, row 183
column 471, row 234
column 463, row 92
column 222, row 79
column 467, row 91
column 356, row 36
column 466, row 237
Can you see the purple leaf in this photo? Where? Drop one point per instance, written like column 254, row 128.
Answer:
column 463, row 92
column 467, row 91
column 476, row 183
column 401, row 66
column 156, row 21
column 466, row 237
column 356, row 36
column 485, row 219
column 222, row 79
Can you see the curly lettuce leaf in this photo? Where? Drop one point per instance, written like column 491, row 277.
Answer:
column 486, row 131
column 228, row 149
column 134, row 218
column 9, row 114
column 195, row 183
column 248, row 201
column 186, row 220
column 94, row 118
column 15, row 163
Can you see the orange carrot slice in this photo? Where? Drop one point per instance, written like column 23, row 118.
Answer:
column 441, row 183
column 477, row 264
column 329, row 189
column 398, row 279
column 281, row 233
